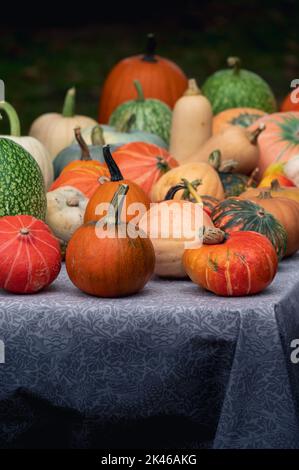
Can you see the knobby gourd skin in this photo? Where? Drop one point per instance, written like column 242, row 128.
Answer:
column 22, row 188
column 160, row 78
column 244, row 264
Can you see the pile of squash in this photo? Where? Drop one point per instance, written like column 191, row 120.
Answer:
column 100, row 195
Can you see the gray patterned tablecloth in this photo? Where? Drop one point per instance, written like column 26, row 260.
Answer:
column 173, row 366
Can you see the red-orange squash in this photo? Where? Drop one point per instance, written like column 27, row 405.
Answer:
column 291, row 101
column 30, row 256
column 244, row 264
column 160, row 78
column 106, row 190
column 87, row 180
column 279, row 142
column 242, row 117
column 143, row 163
column 103, row 260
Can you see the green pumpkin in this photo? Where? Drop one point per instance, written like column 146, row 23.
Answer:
column 238, row 88
column 235, row 214
column 233, row 184
column 74, row 151
column 22, row 188
column 151, row 115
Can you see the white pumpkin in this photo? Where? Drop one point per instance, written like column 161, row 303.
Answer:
column 65, row 211
column 33, row 146
column 56, row 131
column 291, row 169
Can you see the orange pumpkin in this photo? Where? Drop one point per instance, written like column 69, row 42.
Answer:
column 87, row 180
column 291, row 101
column 276, row 191
column 106, row 190
column 286, row 211
column 244, row 264
column 103, row 260
column 143, row 163
column 280, row 140
column 159, row 77
column 242, row 117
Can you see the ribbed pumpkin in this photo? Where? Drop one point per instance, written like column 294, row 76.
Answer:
column 29, row 254
column 106, row 190
column 280, row 140
column 207, row 179
column 143, row 163
column 244, row 264
column 86, row 180
column 160, row 78
column 242, row 117
column 104, row 260
column 286, row 211
column 149, row 115
column 276, row 191
column 235, row 214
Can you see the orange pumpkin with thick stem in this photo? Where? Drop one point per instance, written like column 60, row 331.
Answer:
column 286, row 212
column 242, row 117
column 244, row 264
column 103, row 260
column 277, row 190
column 143, row 163
column 106, row 190
column 160, row 78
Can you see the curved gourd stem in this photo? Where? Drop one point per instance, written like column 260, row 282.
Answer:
column 189, row 189
column 252, row 177
column 97, row 136
column 193, row 89
column 215, row 159
column 68, row 109
column 14, row 121
column 150, row 49
column 138, row 87
column 85, row 155
column 235, row 64
column 113, row 216
column 253, row 136
column 114, row 171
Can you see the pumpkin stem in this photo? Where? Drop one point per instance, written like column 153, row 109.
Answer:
column 228, row 166
column 116, row 205
column 68, row 109
column 114, row 171
column 24, row 231
column 85, row 155
column 192, row 191
column 14, row 121
column 162, row 165
column 215, row 159
column 150, row 49
column 235, row 64
column 213, row 235
column 251, row 179
column 127, row 125
column 138, row 87
column 97, row 136
column 265, row 194
column 73, row 202
column 193, row 89
column 253, row 136
column 275, row 186
column 189, row 189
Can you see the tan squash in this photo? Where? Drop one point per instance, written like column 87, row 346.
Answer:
column 56, row 131
column 191, row 123
column 207, row 178
column 234, row 143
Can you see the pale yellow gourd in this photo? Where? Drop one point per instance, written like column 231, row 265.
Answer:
column 56, row 131
column 192, row 120
column 65, row 211
column 235, row 143
column 208, row 180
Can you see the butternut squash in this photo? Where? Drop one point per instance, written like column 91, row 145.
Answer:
column 191, row 123
column 234, row 143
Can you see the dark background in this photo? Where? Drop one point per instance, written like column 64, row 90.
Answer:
column 47, row 47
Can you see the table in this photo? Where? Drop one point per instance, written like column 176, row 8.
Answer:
column 172, row 367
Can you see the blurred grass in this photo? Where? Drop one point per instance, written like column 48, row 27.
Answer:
column 38, row 66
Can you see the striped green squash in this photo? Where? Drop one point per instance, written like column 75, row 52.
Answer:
column 149, row 115
column 22, row 188
column 234, row 215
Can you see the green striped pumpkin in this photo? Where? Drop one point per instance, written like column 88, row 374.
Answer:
column 22, row 188
column 149, row 115
column 234, row 215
